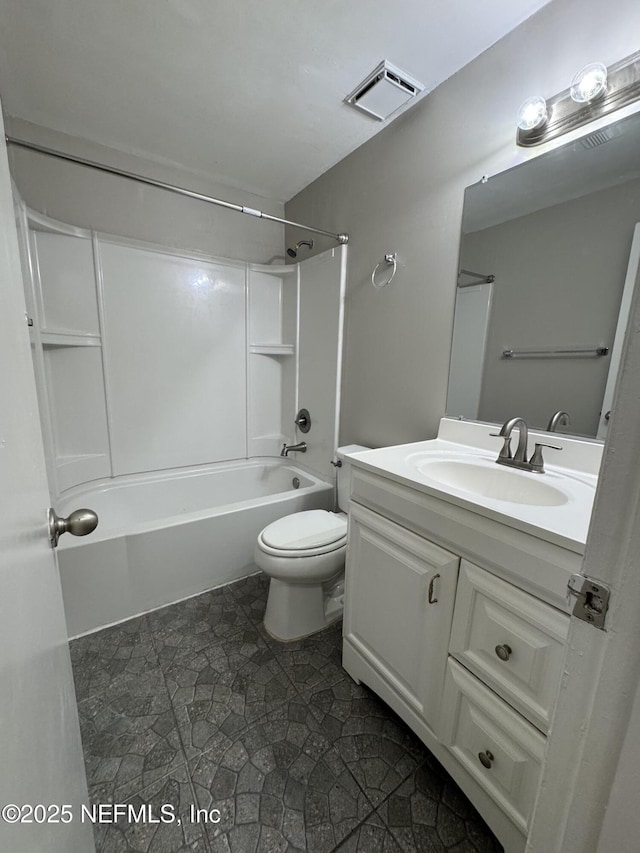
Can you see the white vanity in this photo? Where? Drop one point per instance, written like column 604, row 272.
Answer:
column 456, row 608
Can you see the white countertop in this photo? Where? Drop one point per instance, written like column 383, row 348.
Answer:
column 565, row 525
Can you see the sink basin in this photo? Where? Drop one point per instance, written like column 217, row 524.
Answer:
column 488, row 480
column 554, row 506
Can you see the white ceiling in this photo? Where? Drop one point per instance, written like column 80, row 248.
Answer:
column 249, row 92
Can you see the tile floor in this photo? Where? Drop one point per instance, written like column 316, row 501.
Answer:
column 196, row 706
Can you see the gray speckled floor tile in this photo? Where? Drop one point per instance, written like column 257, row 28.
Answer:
column 372, row 836
column 481, row 837
column 103, row 656
column 192, row 625
column 251, row 593
column 162, row 820
column 225, row 687
column 130, row 736
column 280, row 786
column 429, row 814
column 296, row 757
column 377, row 747
column 313, row 661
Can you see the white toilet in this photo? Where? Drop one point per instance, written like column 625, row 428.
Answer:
column 304, row 556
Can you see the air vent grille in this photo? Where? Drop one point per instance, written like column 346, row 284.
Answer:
column 599, row 137
column 384, row 91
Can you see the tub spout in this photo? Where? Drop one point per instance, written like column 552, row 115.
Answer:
column 300, row 448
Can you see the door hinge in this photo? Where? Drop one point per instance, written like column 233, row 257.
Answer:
column 590, row 600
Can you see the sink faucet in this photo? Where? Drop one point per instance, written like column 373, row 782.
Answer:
column 505, row 457
column 519, row 459
column 287, row 448
column 558, row 419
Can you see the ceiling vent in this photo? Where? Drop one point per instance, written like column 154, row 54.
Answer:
column 384, row 91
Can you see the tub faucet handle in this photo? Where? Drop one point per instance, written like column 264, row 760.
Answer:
column 303, row 420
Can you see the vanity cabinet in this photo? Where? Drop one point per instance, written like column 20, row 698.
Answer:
column 500, row 750
column 512, row 641
column 399, row 608
column 504, row 639
column 437, row 627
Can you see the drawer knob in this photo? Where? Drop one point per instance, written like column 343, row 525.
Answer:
column 486, row 758
column 503, row 651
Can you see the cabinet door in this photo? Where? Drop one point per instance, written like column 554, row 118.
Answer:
column 400, row 591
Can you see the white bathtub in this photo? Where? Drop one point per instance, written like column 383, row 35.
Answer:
column 166, row 536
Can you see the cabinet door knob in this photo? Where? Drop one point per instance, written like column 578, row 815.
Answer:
column 486, row 758
column 503, row 651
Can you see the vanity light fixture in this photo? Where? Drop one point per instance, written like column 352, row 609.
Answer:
column 595, row 92
column 589, row 84
column 533, row 113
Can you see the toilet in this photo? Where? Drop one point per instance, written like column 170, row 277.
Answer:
column 304, row 556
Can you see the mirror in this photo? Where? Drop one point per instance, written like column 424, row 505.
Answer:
column 557, row 233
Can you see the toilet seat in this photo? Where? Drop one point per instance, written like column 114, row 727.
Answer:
column 305, row 534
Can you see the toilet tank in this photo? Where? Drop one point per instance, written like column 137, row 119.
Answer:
column 343, row 473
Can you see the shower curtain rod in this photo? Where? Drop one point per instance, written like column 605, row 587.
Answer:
column 132, row 176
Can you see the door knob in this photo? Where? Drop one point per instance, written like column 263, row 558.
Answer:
column 78, row 523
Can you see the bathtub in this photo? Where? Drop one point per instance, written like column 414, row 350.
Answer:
column 166, row 536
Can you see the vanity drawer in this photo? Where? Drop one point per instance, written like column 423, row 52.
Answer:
column 514, row 642
column 501, row 750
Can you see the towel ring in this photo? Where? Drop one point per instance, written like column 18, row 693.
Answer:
column 391, row 260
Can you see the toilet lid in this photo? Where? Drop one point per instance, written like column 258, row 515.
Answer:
column 315, row 528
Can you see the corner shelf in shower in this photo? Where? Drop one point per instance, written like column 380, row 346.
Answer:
column 74, row 459
column 272, row 349
column 69, row 339
column 79, row 467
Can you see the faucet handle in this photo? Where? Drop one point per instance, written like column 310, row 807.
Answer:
column 505, row 453
column 536, row 461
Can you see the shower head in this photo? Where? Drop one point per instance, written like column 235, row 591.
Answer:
column 293, row 253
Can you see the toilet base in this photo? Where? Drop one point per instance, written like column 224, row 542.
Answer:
column 295, row 611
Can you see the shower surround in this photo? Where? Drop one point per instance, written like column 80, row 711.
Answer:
column 168, row 383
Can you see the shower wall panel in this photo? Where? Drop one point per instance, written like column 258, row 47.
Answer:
column 175, row 352
column 321, row 312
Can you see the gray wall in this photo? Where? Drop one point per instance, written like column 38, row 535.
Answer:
column 91, row 199
column 403, row 191
column 559, row 279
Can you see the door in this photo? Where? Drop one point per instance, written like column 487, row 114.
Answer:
column 393, row 574
column 633, row 269
column 595, row 728
column 39, row 734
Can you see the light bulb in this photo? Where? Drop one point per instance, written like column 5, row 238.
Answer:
column 589, row 83
column 532, row 113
